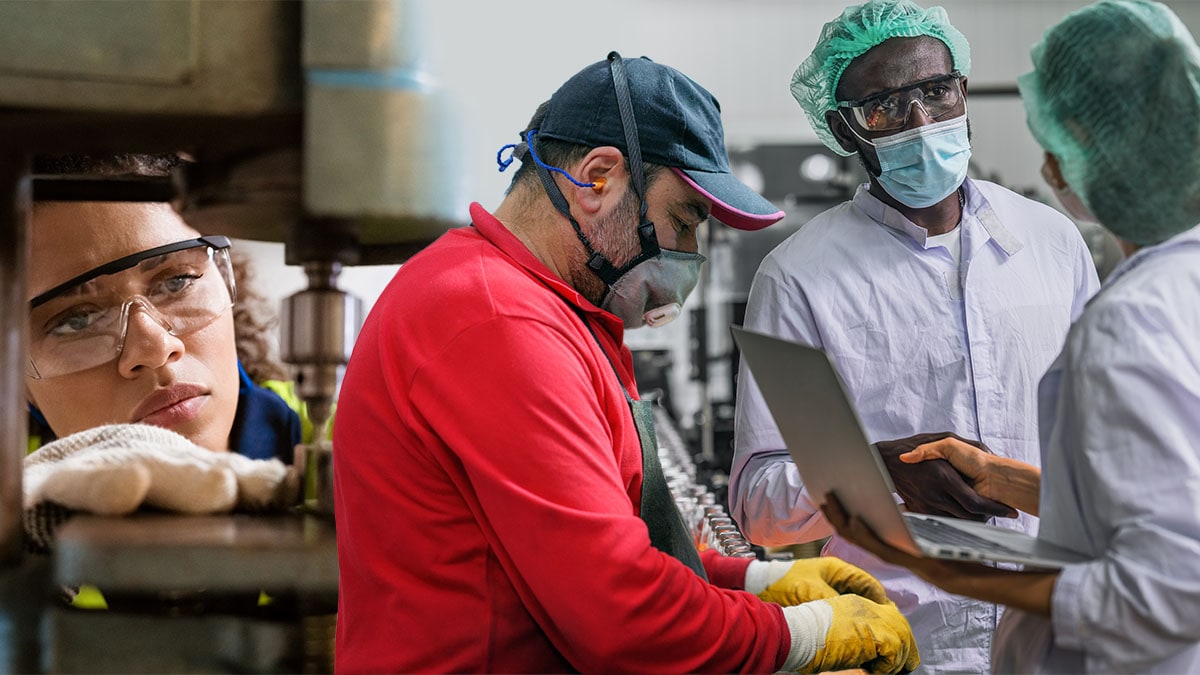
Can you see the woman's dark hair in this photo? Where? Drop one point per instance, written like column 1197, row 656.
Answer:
column 115, row 164
column 256, row 324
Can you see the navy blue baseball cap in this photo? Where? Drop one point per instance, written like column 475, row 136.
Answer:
column 678, row 124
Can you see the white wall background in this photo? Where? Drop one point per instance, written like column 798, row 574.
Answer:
column 498, row 60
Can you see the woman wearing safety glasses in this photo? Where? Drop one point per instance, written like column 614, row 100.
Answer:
column 152, row 316
column 133, row 364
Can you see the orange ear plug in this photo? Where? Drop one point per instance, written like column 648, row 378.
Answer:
column 598, row 184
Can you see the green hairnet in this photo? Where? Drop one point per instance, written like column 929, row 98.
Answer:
column 1115, row 97
column 853, row 34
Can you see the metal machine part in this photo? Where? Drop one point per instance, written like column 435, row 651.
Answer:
column 14, row 225
column 701, row 511
column 25, row 591
column 379, row 135
column 315, row 460
column 319, row 326
column 379, row 161
column 156, row 58
column 185, row 594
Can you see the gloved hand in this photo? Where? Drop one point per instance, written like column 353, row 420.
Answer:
column 934, row 486
column 849, row 631
column 788, row 582
column 115, row 469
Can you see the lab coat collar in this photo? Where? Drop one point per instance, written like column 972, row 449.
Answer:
column 1186, row 238
column 975, row 205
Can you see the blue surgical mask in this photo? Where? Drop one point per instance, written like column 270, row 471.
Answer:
column 921, row 167
column 653, row 291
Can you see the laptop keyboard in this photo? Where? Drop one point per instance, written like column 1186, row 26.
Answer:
column 940, row 533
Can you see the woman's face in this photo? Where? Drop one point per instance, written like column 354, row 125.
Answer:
column 188, row 384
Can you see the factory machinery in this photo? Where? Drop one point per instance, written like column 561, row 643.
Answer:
column 311, row 123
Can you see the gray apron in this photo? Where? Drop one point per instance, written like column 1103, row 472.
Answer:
column 667, row 530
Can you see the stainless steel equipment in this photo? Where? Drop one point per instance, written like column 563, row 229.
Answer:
column 701, row 509
column 319, row 324
column 14, row 207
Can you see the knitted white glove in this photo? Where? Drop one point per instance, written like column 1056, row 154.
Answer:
column 809, row 624
column 115, row 469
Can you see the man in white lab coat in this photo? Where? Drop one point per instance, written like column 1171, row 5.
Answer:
column 1119, row 429
column 941, row 300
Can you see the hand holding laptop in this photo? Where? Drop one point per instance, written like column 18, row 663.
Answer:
column 826, row 441
column 950, row 575
column 962, row 578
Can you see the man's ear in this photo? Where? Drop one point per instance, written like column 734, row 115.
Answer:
column 604, row 169
column 841, row 131
column 1052, row 172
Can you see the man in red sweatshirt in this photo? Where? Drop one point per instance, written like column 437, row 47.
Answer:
column 499, row 500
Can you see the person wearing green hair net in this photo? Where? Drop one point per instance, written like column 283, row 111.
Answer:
column 940, row 299
column 1114, row 99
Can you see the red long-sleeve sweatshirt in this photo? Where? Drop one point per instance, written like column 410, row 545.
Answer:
column 488, row 476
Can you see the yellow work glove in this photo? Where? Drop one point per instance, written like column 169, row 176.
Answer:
column 794, row 582
column 849, row 631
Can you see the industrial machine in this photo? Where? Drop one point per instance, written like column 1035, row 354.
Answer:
column 312, row 123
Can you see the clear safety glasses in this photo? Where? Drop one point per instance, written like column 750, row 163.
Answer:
column 888, row 110
column 82, row 323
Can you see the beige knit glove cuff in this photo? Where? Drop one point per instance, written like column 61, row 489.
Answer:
column 113, row 470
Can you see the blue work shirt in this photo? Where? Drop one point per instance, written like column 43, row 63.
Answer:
column 923, row 345
column 1120, row 411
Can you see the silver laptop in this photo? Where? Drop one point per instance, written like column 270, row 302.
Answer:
column 826, row 441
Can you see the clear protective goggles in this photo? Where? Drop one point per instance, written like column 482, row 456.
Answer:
column 888, row 110
column 82, row 323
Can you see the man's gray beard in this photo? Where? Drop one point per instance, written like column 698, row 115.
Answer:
column 614, row 237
